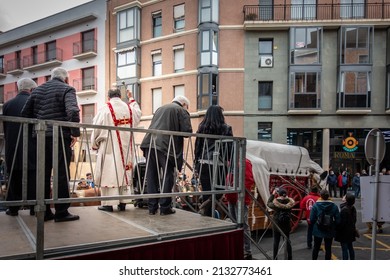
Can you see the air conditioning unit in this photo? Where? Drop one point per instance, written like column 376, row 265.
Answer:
column 266, row 61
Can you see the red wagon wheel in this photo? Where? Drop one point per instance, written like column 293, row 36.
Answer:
column 296, row 212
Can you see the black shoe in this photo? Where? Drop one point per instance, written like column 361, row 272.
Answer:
column 32, row 211
column 106, row 208
column 122, row 206
column 152, row 212
column 11, row 213
column 49, row 216
column 247, row 256
column 67, row 218
column 167, row 212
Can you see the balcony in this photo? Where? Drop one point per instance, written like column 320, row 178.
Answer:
column 42, row 60
column 331, row 15
column 85, row 86
column 85, row 49
column 14, row 67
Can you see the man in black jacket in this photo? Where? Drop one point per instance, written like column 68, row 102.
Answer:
column 56, row 100
column 172, row 117
column 14, row 164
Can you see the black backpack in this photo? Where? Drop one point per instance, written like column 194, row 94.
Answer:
column 325, row 221
column 284, row 217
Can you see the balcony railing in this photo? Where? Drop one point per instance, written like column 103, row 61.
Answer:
column 14, row 66
column 85, row 49
column 85, row 86
column 309, row 12
column 42, row 59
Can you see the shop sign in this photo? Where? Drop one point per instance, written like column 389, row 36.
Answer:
column 350, row 144
column 344, row 155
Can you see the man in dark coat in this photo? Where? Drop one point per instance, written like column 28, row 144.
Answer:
column 159, row 153
column 13, row 134
column 56, row 100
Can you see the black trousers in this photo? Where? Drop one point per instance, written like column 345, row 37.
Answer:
column 206, row 177
column 317, row 246
column 15, row 186
column 277, row 235
column 156, row 167
column 64, row 155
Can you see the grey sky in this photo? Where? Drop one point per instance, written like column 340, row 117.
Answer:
column 14, row 13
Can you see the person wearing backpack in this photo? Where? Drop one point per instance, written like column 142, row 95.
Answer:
column 346, row 231
column 325, row 216
column 282, row 205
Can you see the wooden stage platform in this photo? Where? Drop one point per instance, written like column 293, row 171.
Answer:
column 132, row 234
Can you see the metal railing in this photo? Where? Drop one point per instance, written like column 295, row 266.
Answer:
column 87, row 83
column 84, row 47
column 310, row 12
column 235, row 155
column 42, row 57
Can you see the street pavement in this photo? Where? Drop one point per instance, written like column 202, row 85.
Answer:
column 362, row 246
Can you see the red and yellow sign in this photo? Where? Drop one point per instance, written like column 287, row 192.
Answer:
column 350, row 144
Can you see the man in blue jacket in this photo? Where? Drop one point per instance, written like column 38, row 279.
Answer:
column 324, row 206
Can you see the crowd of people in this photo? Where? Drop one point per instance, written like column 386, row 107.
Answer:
column 56, row 100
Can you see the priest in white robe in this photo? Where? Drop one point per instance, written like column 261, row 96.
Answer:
column 115, row 148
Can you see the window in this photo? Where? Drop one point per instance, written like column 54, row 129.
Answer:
column 209, row 48
column 388, row 90
column 303, row 9
column 88, row 41
column 265, row 95
column 157, row 99
column 157, row 24
column 128, row 22
column 157, row 63
column 1, row 94
column 354, row 90
column 51, row 51
column 178, row 53
column 208, row 11
column 126, row 64
column 264, row 131
column 88, row 76
column 352, row 8
column 207, row 90
column 87, row 113
column 179, row 90
column 305, row 90
column 34, row 55
column 356, row 45
column 2, row 71
column 265, row 50
column 305, row 45
column 18, row 60
column 266, row 10
column 309, row 138
column 178, row 17
column 135, row 90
